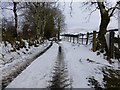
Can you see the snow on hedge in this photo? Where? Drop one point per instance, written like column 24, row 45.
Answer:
column 38, row 73
column 82, row 64
column 11, row 61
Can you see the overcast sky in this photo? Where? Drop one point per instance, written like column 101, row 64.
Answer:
column 78, row 20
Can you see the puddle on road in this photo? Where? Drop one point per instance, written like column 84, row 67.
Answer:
column 60, row 78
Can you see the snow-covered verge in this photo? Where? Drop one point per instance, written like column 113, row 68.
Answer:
column 0, row 56
column 38, row 73
column 86, row 68
column 14, row 62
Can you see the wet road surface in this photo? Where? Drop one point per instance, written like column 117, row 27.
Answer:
column 60, row 78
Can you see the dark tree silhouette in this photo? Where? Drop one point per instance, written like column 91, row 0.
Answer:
column 106, row 12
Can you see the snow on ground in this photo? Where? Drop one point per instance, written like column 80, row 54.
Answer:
column 83, row 65
column 13, row 60
column 0, row 63
column 38, row 73
column 78, row 67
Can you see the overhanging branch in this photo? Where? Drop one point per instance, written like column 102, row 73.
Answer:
column 113, row 9
column 7, row 8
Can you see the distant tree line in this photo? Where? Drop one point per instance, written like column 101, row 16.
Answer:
column 36, row 21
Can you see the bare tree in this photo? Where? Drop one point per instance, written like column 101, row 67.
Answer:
column 40, row 13
column 106, row 12
column 14, row 9
column 15, row 14
column 59, row 19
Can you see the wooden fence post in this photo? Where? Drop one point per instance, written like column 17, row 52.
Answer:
column 87, row 38
column 78, row 39
column 94, row 41
column 111, row 44
column 82, row 38
column 73, row 39
column 70, row 38
column 65, row 38
column 118, row 42
column 119, row 48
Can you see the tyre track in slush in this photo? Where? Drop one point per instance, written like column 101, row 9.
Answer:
column 60, row 78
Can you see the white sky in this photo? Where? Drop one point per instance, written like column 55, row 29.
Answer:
column 78, row 20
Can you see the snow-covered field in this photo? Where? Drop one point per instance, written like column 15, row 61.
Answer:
column 84, row 67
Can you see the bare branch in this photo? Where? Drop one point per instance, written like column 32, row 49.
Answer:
column 7, row 8
column 89, row 15
column 118, row 8
column 71, row 8
column 113, row 9
column 93, row 11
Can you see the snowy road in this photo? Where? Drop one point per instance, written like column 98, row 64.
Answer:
column 38, row 73
column 21, row 59
column 77, row 66
column 60, row 77
column 47, row 71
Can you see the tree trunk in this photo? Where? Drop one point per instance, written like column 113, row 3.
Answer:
column 105, row 19
column 58, row 32
column 102, row 31
column 15, row 14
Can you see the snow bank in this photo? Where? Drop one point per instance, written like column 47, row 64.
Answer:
column 83, row 64
column 13, row 61
column 38, row 73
